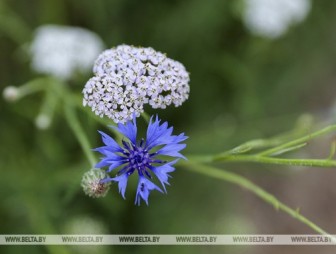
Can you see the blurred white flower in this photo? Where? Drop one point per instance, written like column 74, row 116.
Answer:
column 60, row 50
column 11, row 93
column 272, row 18
column 86, row 225
column 42, row 122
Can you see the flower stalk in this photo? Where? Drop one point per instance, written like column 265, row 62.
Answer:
column 77, row 129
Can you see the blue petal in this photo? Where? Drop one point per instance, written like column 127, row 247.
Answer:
column 113, row 156
column 106, row 150
column 161, row 172
column 106, row 180
column 179, row 138
column 152, row 130
column 158, row 134
column 110, row 159
column 172, row 150
column 110, row 142
column 122, row 183
column 143, row 190
column 114, row 165
column 102, row 163
column 129, row 129
column 103, row 149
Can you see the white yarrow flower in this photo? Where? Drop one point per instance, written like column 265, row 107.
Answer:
column 272, row 18
column 60, row 51
column 126, row 78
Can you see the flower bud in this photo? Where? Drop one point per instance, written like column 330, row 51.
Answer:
column 91, row 183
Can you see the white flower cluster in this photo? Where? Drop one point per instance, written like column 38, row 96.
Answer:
column 60, row 50
column 271, row 18
column 126, row 78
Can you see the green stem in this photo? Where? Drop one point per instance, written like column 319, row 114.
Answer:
column 72, row 102
column 104, row 122
column 297, row 141
column 145, row 116
column 70, row 115
column 33, row 86
column 280, row 161
column 74, row 124
column 49, row 105
column 300, row 128
column 247, row 184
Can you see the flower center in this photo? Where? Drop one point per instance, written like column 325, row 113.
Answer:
column 138, row 159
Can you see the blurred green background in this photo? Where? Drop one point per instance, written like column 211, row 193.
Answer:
column 242, row 87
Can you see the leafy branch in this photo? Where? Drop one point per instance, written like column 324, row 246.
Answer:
column 278, row 147
column 238, row 154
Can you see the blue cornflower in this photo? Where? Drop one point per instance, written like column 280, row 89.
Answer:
column 141, row 156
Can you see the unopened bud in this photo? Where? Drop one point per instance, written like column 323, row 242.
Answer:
column 91, row 183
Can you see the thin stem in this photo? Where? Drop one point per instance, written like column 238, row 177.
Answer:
column 300, row 128
column 259, row 144
column 247, row 184
column 236, row 154
column 71, row 102
column 74, row 124
column 49, row 105
column 71, row 117
column 33, row 86
column 145, row 116
column 101, row 120
column 104, row 122
column 297, row 141
column 280, row 161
